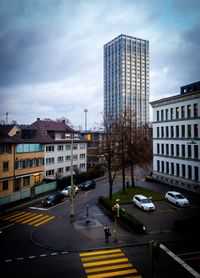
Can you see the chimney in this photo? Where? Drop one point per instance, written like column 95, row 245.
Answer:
column 38, row 119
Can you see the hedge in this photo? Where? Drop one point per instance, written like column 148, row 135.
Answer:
column 124, row 217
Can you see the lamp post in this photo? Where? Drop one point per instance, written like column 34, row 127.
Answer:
column 72, row 182
column 117, row 208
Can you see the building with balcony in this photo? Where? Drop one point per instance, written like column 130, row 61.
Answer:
column 176, row 138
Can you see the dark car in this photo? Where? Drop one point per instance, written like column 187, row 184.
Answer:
column 53, row 199
column 87, row 185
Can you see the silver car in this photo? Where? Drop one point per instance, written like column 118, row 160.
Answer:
column 143, row 202
column 176, row 198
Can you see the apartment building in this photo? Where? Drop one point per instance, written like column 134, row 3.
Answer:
column 126, row 79
column 176, row 138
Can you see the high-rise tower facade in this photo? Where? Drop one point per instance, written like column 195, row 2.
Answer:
column 126, row 79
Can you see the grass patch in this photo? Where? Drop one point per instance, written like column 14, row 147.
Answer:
column 131, row 191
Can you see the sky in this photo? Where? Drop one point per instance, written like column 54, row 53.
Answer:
column 51, row 53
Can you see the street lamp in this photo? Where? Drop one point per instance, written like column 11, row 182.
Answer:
column 72, row 182
column 116, row 209
column 85, row 111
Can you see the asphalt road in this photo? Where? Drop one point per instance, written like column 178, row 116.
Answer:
column 59, row 240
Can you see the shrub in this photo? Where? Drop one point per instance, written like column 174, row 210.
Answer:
column 124, row 217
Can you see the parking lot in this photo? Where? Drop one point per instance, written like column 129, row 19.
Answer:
column 162, row 219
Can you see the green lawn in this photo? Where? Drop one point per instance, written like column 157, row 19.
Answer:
column 131, row 191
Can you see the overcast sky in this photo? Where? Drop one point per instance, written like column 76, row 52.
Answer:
column 51, row 53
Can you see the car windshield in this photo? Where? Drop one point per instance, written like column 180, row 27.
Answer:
column 51, row 197
column 146, row 201
column 180, row 196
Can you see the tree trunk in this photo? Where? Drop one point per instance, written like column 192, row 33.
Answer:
column 132, row 176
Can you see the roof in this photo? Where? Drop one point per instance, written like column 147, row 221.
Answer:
column 6, row 139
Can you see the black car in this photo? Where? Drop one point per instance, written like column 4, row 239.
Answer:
column 53, row 199
column 87, row 185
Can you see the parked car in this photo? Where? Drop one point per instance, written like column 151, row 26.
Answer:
column 176, row 198
column 67, row 190
column 87, row 185
column 53, row 199
column 143, row 202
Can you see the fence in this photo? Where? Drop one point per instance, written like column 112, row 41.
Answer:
column 27, row 193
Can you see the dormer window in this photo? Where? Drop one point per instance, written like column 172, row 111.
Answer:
column 58, row 135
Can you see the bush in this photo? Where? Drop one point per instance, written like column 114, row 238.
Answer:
column 124, row 218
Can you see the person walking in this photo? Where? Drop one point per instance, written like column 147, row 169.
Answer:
column 107, row 233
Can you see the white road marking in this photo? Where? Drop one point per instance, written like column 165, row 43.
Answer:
column 53, row 254
column 43, row 255
column 32, row 257
column 7, row 226
column 38, row 208
column 19, row 259
column 9, row 260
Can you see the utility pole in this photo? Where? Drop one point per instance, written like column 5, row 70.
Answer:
column 6, row 118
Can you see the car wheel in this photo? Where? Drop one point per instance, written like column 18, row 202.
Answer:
column 177, row 203
column 142, row 208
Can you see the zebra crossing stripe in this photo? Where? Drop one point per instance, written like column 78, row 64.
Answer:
column 107, row 263
column 44, row 221
column 13, row 216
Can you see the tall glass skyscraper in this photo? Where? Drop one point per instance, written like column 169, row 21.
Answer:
column 126, row 79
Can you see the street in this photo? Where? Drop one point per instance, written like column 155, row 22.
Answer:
column 47, row 242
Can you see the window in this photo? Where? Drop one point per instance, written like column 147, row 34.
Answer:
column 5, row 166
column 82, row 166
column 49, row 160
column 5, row 149
column 67, row 157
column 189, row 111
column 189, row 151
column 26, row 181
column 183, row 170
column 196, row 130
column 172, row 113
column 177, row 150
column 5, row 185
column 177, row 169
column 196, row 173
column 183, row 150
column 183, row 131
column 167, row 149
column 158, row 132
column 60, row 159
column 196, row 110
column 60, row 170
column 82, row 146
column 167, row 131
column 172, row 168
column 157, row 113
column 82, row 156
column 68, row 147
column 167, row 114
column 162, row 131
column 196, row 152
column 50, row 173
column 67, row 169
column 158, row 148
column 158, row 166
column 162, row 167
column 182, row 112
column 36, row 178
column 60, row 148
column 177, row 112
column 75, row 157
column 189, row 171
column 75, row 146
column 162, row 148
column 177, row 131
column 167, row 167
column 172, row 149
column 172, row 131
column 49, row 148
column 189, row 131
column 162, row 115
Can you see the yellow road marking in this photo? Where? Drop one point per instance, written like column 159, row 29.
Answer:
column 44, row 221
column 24, row 217
column 106, row 262
column 38, row 220
column 113, row 274
column 31, row 219
column 97, row 269
column 99, row 252
column 102, row 257
column 15, row 215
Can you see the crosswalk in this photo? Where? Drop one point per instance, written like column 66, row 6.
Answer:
column 28, row 218
column 107, row 263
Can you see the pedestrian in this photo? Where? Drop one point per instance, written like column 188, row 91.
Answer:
column 107, row 233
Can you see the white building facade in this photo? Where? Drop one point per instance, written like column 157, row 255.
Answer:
column 176, row 139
